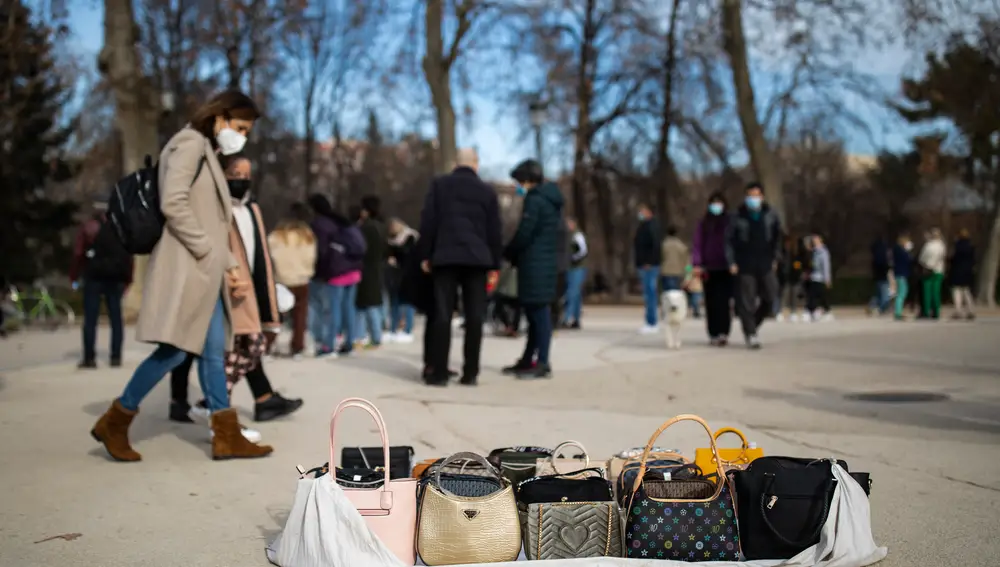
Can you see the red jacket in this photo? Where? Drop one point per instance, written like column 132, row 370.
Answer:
column 85, row 236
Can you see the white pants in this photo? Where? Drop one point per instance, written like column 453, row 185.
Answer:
column 962, row 298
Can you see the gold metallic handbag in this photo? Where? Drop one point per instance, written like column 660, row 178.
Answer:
column 454, row 530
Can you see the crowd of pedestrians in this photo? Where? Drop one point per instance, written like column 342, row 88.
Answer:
column 356, row 280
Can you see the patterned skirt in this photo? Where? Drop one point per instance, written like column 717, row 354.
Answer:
column 245, row 356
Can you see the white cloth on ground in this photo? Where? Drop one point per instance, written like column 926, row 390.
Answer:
column 324, row 530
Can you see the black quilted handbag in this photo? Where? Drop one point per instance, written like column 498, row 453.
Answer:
column 782, row 504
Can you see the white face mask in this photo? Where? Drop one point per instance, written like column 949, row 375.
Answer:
column 230, row 141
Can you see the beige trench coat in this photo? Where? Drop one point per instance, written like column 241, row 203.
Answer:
column 185, row 274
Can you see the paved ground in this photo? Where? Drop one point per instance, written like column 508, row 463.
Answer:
column 936, row 496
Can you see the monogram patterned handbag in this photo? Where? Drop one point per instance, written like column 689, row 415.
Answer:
column 701, row 526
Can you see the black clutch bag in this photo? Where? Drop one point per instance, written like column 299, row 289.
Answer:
column 587, row 485
column 783, row 503
column 400, row 459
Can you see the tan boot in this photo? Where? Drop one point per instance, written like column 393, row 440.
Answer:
column 112, row 431
column 228, row 441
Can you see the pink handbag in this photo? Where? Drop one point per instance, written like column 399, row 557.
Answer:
column 390, row 510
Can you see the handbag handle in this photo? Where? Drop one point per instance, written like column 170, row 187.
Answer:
column 379, row 421
column 805, row 542
column 565, row 444
column 656, row 435
column 466, row 456
column 744, row 444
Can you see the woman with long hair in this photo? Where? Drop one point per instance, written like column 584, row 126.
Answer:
column 192, row 278
column 293, row 251
column 708, row 256
column 402, row 240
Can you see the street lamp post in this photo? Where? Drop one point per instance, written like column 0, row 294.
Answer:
column 536, row 111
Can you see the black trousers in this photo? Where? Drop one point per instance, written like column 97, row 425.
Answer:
column 755, row 299
column 257, row 380
column 718, row 295
column 472, row 283
column 816, row 296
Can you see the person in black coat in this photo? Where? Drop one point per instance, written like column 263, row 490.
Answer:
column 369, row 298
column 961, row 276
column 460, row 242
column 535, row 250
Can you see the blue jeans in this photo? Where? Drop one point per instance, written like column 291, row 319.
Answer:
column 93, row 291
column 371, row 318
column 574, row 294
column 694, row 301
column 211, row 368
column 648, row 277
column 400, row 313
column 670, row 282
column 880, row 300
column 321, row 315
column 539, row 334
column 342, row 313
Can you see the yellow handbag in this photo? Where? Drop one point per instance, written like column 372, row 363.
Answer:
column 732, row 458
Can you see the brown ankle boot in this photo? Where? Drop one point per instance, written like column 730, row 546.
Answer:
column 228, row 441
column 112, row 431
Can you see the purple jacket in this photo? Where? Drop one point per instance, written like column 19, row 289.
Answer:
column 329, row 262
column 709, row 250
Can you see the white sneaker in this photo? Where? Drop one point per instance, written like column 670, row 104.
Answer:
column 199, row 413
column 251, row 435
column 404, row 338
column 779, row 318
column 649, row 330
column 389, row 337
column 793, row 318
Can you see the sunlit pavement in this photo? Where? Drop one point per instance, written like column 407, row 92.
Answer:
column 936, row 493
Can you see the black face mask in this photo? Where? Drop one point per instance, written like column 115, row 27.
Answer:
column 238, row 188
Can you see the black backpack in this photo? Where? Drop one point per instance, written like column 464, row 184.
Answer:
column 134, row 208
column 107, row 258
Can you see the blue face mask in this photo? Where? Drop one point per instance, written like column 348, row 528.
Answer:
column 715, row 208
column 753, row 203
column 521, row 191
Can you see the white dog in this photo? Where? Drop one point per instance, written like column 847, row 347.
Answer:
column 675, row 304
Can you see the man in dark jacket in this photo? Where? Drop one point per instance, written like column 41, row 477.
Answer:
column 460, row 242
column 106, row 269
column 753, row 248
column 647, row 251
column 880, row 276
column 961, row 272
column 535, row 251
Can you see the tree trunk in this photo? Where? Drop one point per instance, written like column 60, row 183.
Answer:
column 666, row 178
column 763, row 160
column 137, row 109
column 988, row 268
column 585, row 94
column 437, row 71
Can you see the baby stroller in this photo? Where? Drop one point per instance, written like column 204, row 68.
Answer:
column 503, row 312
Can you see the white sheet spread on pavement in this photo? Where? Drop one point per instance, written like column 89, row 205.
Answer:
column 324, row 530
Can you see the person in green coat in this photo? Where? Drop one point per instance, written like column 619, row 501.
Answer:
column 369, row 299
column 534, row 250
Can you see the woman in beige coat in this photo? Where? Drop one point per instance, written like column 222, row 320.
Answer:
column 191, row 277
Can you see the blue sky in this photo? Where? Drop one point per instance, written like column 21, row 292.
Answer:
column 501, row 142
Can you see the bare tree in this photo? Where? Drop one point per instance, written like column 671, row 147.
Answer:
column 137, row 104
column 327, row 43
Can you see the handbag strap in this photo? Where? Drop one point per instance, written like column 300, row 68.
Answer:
column 566, row 444
column 805, row 542
column 379, row 421
column 656, row 435
column 466, row 456
column 744, row 444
